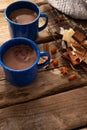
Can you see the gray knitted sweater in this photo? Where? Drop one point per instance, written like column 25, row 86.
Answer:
column 74, row 8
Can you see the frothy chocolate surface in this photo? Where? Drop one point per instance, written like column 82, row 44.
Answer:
column 19, row 57
column 23, row 16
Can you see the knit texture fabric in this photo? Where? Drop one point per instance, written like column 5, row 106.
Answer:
column 75, row 8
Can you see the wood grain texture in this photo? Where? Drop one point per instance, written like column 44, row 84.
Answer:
column 63, row 111
column 5, row 3
column 4, row 33
column 46, row 83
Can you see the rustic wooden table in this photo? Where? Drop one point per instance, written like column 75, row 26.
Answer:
column 51, row 102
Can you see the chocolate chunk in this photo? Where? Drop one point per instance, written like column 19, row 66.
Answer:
column 74, row 57
column 79, row 49
column 79, row 36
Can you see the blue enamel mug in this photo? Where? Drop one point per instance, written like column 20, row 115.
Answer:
column 29, row 30
column 26, row 75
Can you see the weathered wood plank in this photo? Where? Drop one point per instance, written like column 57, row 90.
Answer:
column 63, row 111
column 46, row 83
column 49, row 82
column 4, row 33
column 5, row 3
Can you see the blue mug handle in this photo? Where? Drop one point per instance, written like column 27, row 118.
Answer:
column 41, row 65
column 46, row 22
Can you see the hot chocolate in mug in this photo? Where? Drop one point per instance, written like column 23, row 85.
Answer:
column 23, row 19
column 19, row 59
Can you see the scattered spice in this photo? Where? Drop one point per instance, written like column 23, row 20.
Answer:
column 55, row 62
column 72, row 77
column 53, row 50
column 64, row 69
